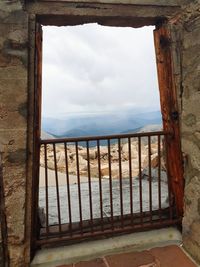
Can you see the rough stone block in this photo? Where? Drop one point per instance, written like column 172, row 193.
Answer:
column 191, row 60
column 13, row 72
column 10, row 88
column 14, row 175
column 13, row 119
column 17, row 256
column 13, row 145
column 192, row 39
column 16, row 16
column 191, row 113
column 11, row 31
column 192, row 151
column 10, row 6
column 191, row 240
column 192, row 195
column 15, row 213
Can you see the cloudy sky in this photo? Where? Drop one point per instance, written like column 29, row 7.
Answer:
column 94, row 69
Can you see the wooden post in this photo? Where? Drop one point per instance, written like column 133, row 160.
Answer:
column 37, row 130
column 170, row 115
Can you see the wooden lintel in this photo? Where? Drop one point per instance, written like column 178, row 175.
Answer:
column 61, row 13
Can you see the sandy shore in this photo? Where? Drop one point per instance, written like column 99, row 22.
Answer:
column 61, row 178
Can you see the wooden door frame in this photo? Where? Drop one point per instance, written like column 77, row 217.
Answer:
column 168, row 100
column 170, row 112
column 36, row 131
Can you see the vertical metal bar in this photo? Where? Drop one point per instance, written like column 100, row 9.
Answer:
column 140, row 179
column 159, row 177
column 89, row 185
column 120, row 182
column 46, row 190
column 100, row 184
column 79, row 188
column 150, row 177
column 130, row 179
column 57, row 187
column 110, row 185
column 165, row 148
column 68, row 189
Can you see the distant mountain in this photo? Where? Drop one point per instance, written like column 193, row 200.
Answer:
column 108, row 127
column 45, row 135
column 151, row 128
column 103, row 124
column 146, row 128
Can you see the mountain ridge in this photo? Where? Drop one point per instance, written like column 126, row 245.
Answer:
column 99, row 125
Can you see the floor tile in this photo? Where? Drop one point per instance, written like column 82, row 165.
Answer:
column 169, row 256
column 70, row 265
column 172, row 256
column 133, row 259
column 93, row 263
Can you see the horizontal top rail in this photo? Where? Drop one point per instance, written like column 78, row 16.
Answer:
column 104, row 137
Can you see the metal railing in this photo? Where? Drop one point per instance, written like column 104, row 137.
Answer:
column 102, row 185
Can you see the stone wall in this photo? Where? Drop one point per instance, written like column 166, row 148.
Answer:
column 190, row 126
column 185, row 30
column 16, row 128
column 13, row 121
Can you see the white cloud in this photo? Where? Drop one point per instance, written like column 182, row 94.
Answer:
column 93, row 68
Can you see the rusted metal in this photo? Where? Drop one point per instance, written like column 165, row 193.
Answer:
column 150, row 177
column 159, row 177
column 130, row 179
column 103, row 222
column 120, row 182
column 46, row 189
column 68, row 187
column 57, row 186
column 110, row 184
column 89, row 185
column 100, row 184
column 79, row 187
column 140, row 178
column 169, row 182
column 54, row 240
column 104, row 137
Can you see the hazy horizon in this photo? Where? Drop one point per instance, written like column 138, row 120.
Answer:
column 101, row 113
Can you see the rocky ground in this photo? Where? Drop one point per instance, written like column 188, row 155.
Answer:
column 103, row 171
column 104, row 174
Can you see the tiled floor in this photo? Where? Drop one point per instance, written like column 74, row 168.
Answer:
column 170, row 256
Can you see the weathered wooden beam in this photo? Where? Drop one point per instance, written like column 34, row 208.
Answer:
column 169, row 109
column 37, row 129
column 130, row 2
column 73, row 13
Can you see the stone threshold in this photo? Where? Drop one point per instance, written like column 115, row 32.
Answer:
column 90, row 250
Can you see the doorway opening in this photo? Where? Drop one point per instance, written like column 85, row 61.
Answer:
column 100, row 182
